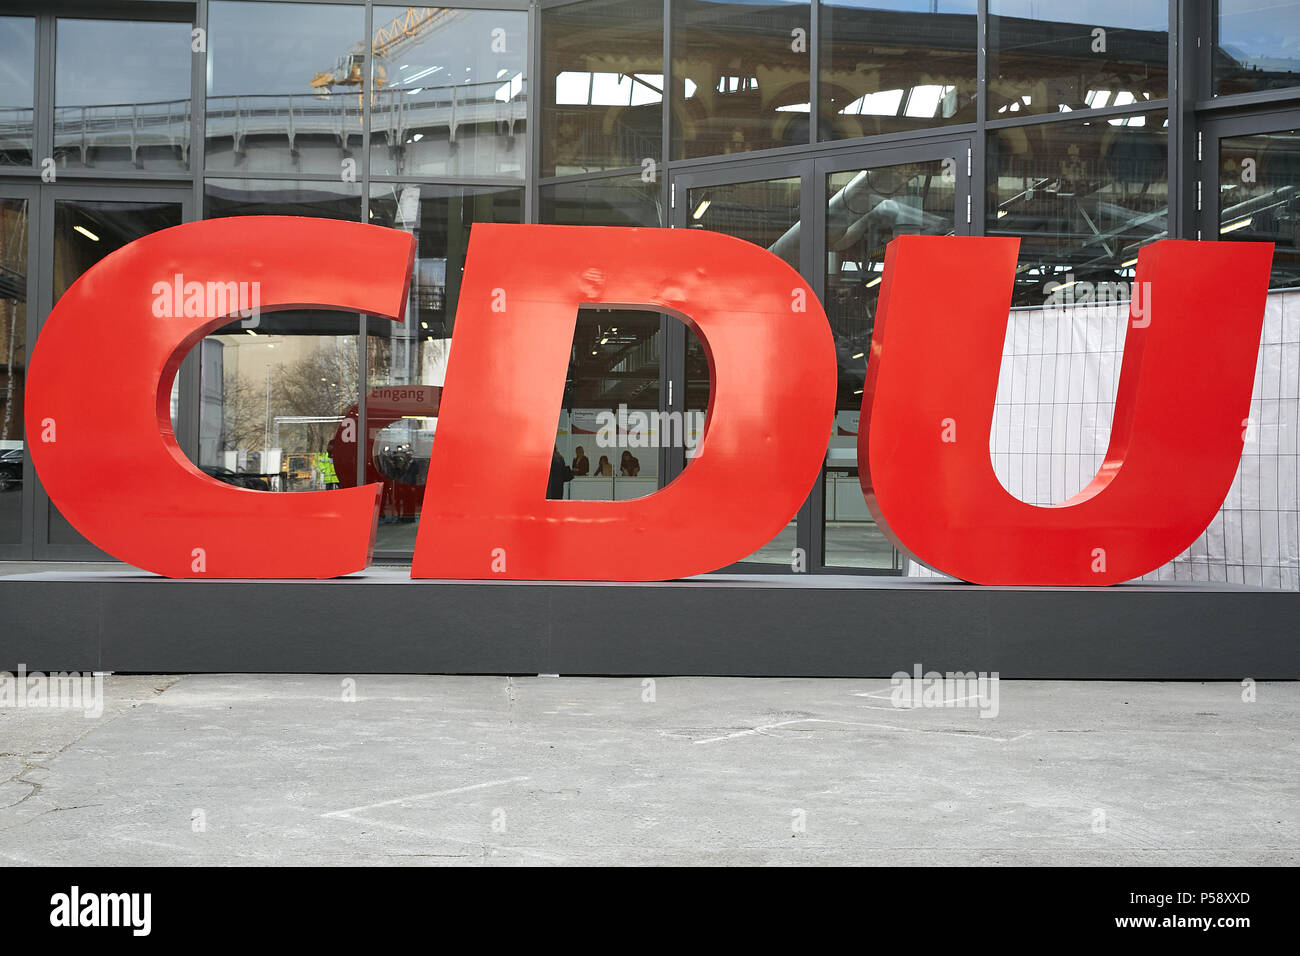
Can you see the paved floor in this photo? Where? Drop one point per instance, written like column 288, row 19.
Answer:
column 453, row 770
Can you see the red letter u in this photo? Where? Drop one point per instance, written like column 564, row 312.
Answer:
column 1184, row 391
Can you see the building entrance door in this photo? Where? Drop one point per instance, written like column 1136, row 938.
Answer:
column 831, row 219
column 1250, row 186
column 17, row 328
column 79, row 226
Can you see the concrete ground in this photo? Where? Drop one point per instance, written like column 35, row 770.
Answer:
column 226, row 769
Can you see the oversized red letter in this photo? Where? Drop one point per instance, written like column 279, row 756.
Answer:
column 772, row 365
column 1184, row 393
column 99, row 388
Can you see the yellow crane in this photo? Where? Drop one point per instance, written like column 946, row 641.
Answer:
column 388, row 41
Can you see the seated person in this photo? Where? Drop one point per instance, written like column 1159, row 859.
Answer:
column 629, row 466
column 581, row 466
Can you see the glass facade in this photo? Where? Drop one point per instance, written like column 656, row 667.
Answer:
column 449, row 97
column 17, row 90
column 122, row 94
column 1255, row 46
column 14, row 230
column 284, row 87
column 1049, row 56
column 865, row 210
column 1058, row 130
column 406, row 363
column 1082, row 196
column 893, row 65
column 602, row 86
column 741, row 73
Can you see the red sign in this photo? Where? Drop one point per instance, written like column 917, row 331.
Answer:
column 1180, row 413
column 1184, row 392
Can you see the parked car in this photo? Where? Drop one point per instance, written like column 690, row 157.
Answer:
column 252, row 482
column 11, row 469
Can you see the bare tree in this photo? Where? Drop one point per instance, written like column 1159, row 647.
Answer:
column 322, row 383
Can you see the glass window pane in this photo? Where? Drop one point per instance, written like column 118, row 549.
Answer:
column 407, row 362
column 616, row 360
column 122, row 95
column 284, row 86
column 1258, row 201
column 86, row 231
column 740, row 75
column 449, row 92
column 14, row 232
column 602, row 96
column 1082, row 197
column 281, row 197
column 17, row 89
column 1256, row 45
column 892, row 65
column 766, row 213
column 620, row 201
column 1058, row 56
column 865, row 210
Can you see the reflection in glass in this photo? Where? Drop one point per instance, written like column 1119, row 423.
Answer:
column 275, row 393
column 275, row 400
column 86, row 231
column 14, row 231
column 122, row 94
column 602, row 86
column 284, row 86
column 407, row 362
column 281, row 197
column 1058, row 56
column 449, row 92
column 1082, row 196
column 1256, row 45
column 17, row 89
column 766, row 213
column 1259, row 197
column 865, row 210
column 892, row 65
column 618, row 201
column 740, row 74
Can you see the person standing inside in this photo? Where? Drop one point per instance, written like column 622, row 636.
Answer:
column 560, row 475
